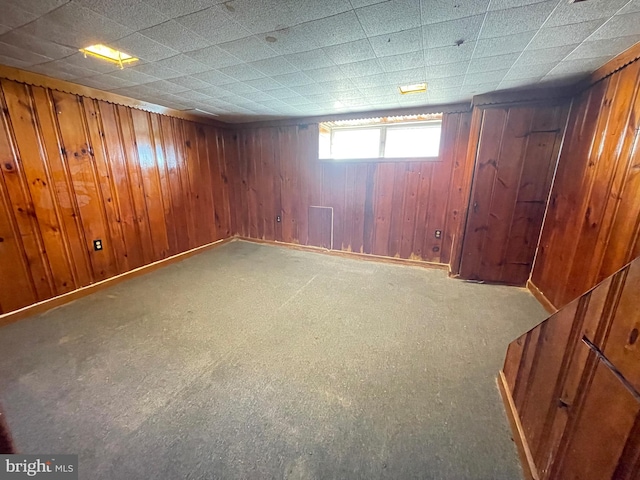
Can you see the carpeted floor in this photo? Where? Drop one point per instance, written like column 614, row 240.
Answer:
column 252, row 361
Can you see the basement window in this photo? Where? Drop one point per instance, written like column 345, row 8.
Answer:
column 409, row 137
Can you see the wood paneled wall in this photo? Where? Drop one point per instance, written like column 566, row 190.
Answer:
column 389, row 208
column 592, row 227
column 74, row 169
column 515, row 153
column 573, row 384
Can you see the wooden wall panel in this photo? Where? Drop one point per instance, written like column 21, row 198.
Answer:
column 575, row 378
column 74, row 170
column 515, row 158
column 593, row 222
column 384, row 208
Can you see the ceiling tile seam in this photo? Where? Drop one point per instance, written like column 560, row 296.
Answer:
column 530, row 41
column 548, row 74
column 475, row 44
column 370, row 46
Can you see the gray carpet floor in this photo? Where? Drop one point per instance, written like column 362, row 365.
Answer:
column 254, row 361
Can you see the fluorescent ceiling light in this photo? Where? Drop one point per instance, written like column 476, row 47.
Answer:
column 109, row 54
column 414, row 88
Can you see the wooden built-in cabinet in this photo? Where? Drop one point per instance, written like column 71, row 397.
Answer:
column 572, row 386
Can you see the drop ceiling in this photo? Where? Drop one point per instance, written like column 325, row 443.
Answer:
column 257, row 59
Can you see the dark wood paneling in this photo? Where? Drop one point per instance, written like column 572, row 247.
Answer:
column 574, row 382
column 516, row 153
column 384, row 208
column 74, row 169
column 592, row 227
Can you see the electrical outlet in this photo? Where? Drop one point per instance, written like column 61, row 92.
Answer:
column 97, row 245
column 278, row 218
column 438, row 234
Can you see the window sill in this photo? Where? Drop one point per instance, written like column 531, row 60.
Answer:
column 379, row 160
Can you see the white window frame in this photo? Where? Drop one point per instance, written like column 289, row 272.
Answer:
column 383, row 127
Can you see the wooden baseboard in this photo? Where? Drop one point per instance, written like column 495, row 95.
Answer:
column 544, row 301
column 526, row 458
column 54, row 302
column 345, row 254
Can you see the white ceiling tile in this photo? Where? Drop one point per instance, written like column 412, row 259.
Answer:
column 242, row 72
column 448, row 33
column 517, row 20
column 176, row 36
column 265, row 84
column 190, row 83
column 335, row 86
column 576, row 67
column 213, row 92
column 444, row 55
column 404, row 61
column 59, row 69
column 258, row 16
column 194, row 96
column 544, row 55
column 404, row 77
column 568, row 13
column 506, row 4
column 175, row 8
column 334, row 30
column 184, row 64
column 388, row 17
column 116, row 82
column 397, row 42
column 308, row 10
column 490, row 47
column 14, row 62
column 447, row 70
column 350, row 52
column 309, row 60
column 631, row 7
column 214, row 57
column 361, row 69
column 132, row 13
column 249, row 49
column 37, row 7
column 489, row 64
column 618, row 26
column 436, row 11
column 156, row 70
column 131, row 75
column 23, row 55
column 36, row 45
column 143, row 47
column 527, row 71
column 519, row 83
column 13, row 16
column 215, row 25
column 610, row 48
column 293, row 79
column 447, row 82
column 484, row 77
column 95, row 82
column 325, row 74
column 214, row 77
column 290, row 40
column 75, row 26
column 274, row 66
column 548, row 37
column 283, row 93
column 258, row 96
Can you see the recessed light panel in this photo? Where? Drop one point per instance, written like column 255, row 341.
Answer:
column 109, row 54
column 414, row 88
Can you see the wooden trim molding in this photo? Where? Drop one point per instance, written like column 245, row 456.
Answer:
column 345, row 254
column 54, row 302
column 288, row 122
column 526, row 458
column 36, row 79
column 544, row 301
column 514, row 97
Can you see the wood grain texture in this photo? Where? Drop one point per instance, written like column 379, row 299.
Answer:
column 592, row 227
column 388, row 209
column 74, row 169
column 515, row 155
column 575, row 378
